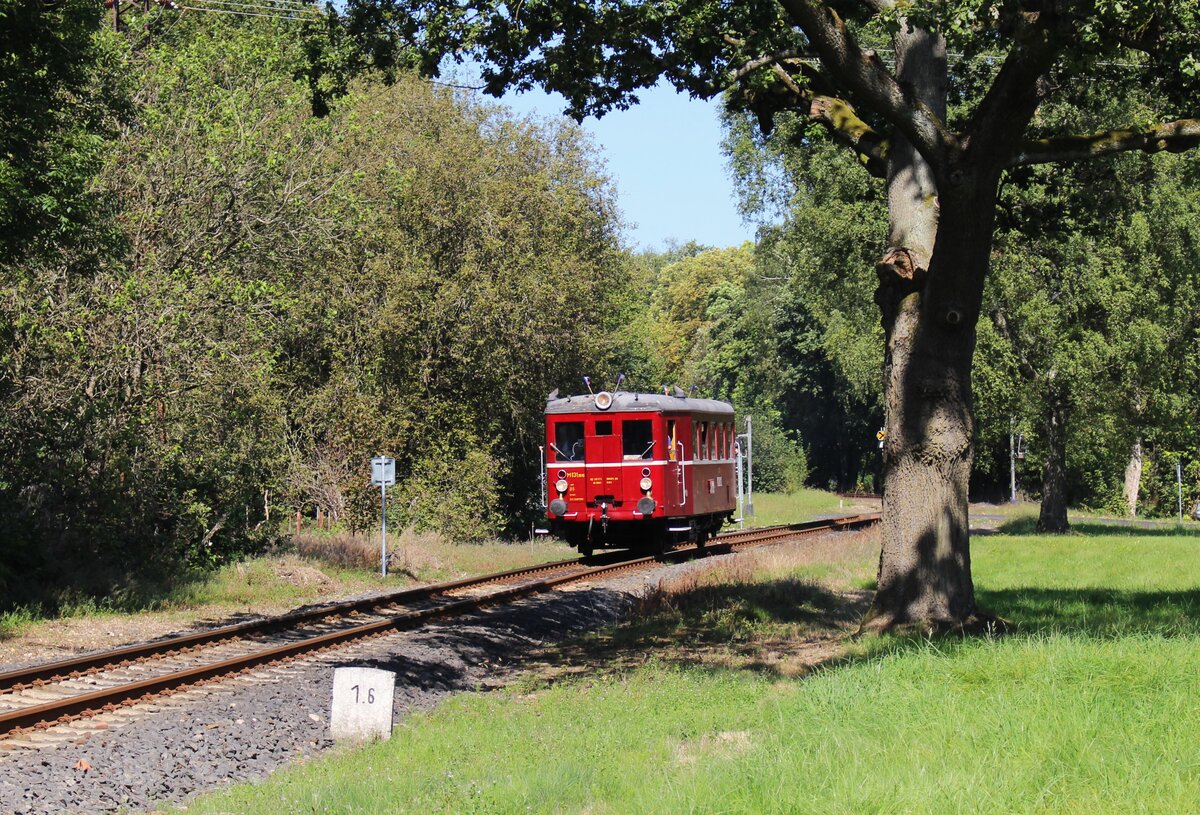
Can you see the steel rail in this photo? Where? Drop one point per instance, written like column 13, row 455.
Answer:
column 77, row 666
column 110, row 698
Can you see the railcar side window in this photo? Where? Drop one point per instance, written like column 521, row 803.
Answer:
column 637, row 438
column 703, row 454
column 671, row 440
column 568, row 441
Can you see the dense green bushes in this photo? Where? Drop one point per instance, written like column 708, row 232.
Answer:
column 264, row 299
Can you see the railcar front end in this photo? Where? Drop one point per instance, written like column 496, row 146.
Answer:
column 637, row 470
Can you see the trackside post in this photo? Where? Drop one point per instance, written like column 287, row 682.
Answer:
column 383, row 473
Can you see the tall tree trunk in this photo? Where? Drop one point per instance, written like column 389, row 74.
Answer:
column 925, row 562
column 940, row 245
column 1133, row 477
column 1053, row 515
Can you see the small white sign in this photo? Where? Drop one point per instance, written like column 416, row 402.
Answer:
column 362, row 704
column 383, row 471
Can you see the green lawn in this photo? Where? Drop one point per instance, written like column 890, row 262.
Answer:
column 1090, row 707
column 772, row 509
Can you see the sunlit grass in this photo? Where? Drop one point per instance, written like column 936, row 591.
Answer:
column 1088, row 708
column 1034, row 725
column 337, row 565
column 772, row 509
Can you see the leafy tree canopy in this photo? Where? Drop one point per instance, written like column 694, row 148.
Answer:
column 805, row 55
column 57, row 102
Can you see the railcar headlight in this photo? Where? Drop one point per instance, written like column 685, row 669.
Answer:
column 604, row 400
column 561, row 485
column 646, row 484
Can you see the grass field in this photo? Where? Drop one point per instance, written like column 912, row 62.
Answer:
column 1089, row 707
column 771, row 509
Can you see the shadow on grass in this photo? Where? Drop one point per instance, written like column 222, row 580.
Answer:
column 781, row 628
column 1134, row 529
column 1097, row 612
column 789, row 628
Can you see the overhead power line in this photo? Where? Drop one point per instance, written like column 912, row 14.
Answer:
column 283, row 9
column 292, row 10
column 273, row 16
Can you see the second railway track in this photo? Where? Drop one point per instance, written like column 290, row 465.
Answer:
column 45, row 695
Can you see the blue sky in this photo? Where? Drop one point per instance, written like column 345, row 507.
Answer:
column 665, row 156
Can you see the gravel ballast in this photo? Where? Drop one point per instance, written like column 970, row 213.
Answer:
column 247, row 728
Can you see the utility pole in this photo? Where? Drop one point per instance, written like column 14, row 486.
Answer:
column 1012, row 461
column 1179, row 487
column 750, row 466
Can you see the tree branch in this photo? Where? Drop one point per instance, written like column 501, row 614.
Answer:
column 1024, row 367
column 763, row 61
column 843, row 124
column 1174, row 137
column 837, row 115
column 870, row 82
column 1005, row 111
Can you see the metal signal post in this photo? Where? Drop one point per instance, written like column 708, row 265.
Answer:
column 748, row 496
column 1179, row 487
column 383, row 473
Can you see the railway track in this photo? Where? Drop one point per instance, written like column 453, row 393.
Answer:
column 45, row 695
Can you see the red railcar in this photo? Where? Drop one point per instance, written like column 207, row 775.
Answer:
column 638, row 470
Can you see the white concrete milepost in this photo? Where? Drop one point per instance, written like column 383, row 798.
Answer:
column 362, row 704
column 383, row 474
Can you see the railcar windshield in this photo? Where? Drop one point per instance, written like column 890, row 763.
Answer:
column 637, row 438
column 568, row 441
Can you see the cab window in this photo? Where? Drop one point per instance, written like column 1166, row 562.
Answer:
column 637, row 439
column 568, row 441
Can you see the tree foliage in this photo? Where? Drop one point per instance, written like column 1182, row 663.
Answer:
column 942, row 158
column 59, row 98
column 1089, row 302
column 1090, row 318
column 276, row 296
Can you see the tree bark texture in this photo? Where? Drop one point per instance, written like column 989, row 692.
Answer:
column 1053, row 515
column 1133, row 477
column 938, row 254
column 929, row 319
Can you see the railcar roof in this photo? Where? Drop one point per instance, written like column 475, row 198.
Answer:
column 638, row 402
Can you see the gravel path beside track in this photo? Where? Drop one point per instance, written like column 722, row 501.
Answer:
column 244, row 729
